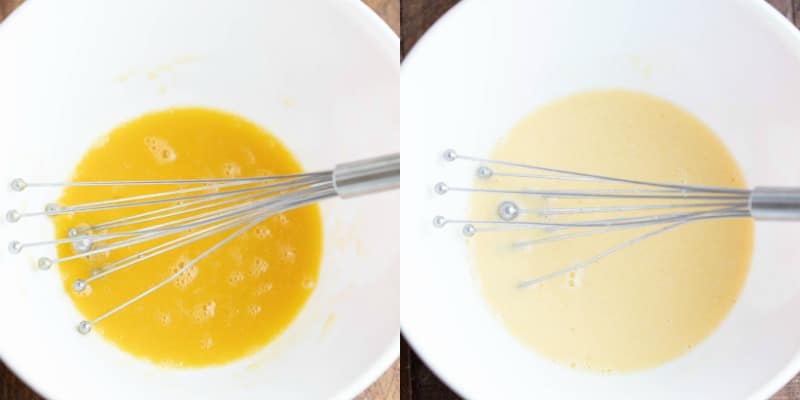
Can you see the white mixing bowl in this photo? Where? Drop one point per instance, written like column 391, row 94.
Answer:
column 322, row 75
column 486, row 64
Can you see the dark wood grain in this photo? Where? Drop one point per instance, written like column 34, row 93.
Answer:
column 418, row 382
column 785, row 7
column 796, row 12
column 11, row 388
column 415, row 18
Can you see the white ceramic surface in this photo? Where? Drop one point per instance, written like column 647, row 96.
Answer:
column 485, row 64
column 321, row 74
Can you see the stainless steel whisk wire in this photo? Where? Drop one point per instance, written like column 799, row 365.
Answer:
column 677, row 205
column 213, row 206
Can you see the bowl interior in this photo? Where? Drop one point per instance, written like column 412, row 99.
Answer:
column 321, row 75
column 485, row 65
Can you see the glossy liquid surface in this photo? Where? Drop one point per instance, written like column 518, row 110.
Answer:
column 639, row 307
column 229, row 304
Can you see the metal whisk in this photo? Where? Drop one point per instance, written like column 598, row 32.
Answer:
column 633, row 203
column 204, row 208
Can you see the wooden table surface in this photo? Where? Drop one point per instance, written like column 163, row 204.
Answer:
column 417, row 381
column 387, row 387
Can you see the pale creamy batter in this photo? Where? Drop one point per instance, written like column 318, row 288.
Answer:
column 640, row 307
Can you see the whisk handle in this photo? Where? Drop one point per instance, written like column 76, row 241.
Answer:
column 775, row 203
column 367, row 176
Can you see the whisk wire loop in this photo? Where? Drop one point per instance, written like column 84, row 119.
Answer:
column 180, row 215
column 663, row 206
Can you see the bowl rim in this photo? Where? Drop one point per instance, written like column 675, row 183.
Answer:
column 391, row 42
column 391, row 353
column 776, row 21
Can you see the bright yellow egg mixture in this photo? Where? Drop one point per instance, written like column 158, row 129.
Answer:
column 232, row 302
